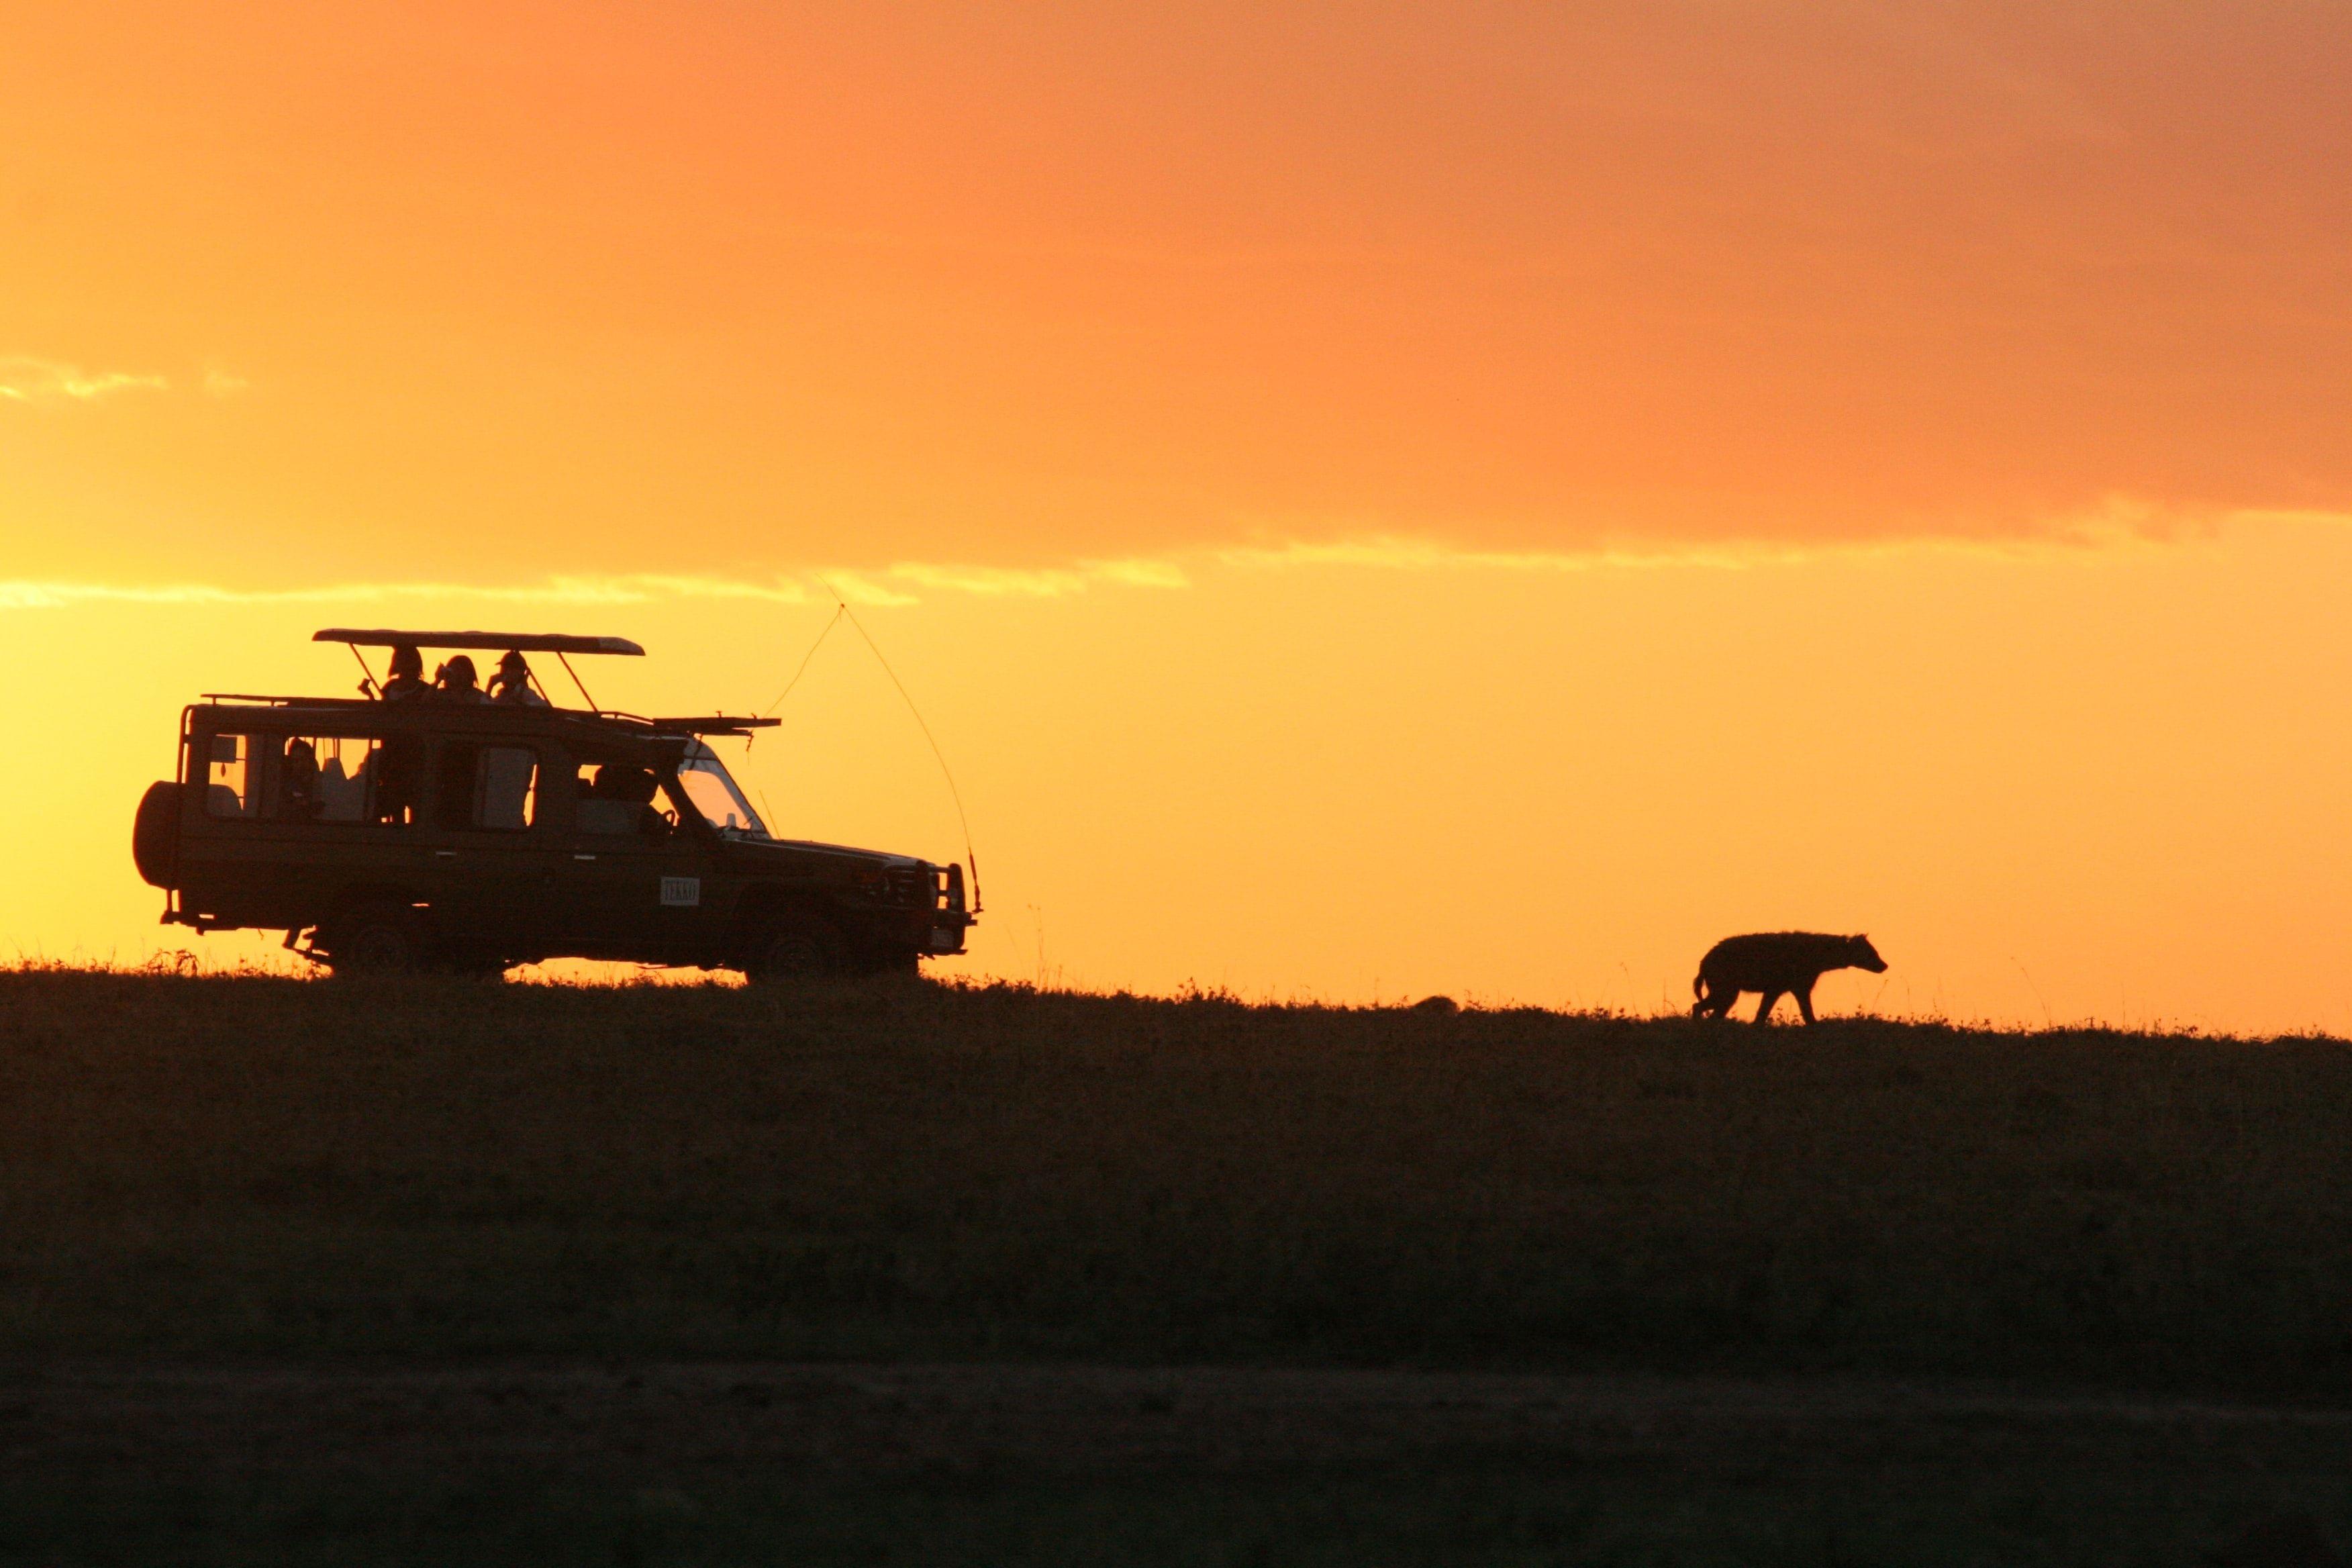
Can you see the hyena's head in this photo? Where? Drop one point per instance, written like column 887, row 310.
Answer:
column 1861, row 955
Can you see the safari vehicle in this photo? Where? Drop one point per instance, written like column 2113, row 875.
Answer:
column 426, row 833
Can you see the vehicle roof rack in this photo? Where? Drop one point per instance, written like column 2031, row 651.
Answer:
column 521, row 642
column 712, row 724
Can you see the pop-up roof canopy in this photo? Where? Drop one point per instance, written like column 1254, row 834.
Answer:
column 544, row 642
column 523, row 642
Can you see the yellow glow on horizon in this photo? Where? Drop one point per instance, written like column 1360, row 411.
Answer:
column 2086, row 784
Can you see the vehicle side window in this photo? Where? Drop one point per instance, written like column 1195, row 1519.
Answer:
column 606, row 817
column 333, row 778
column 479, row 787
column 230, row 777
column 617, row 798
column 506, row 789
column 594, row 811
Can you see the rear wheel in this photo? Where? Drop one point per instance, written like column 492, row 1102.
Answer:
column 803, row 948
column 376, row 939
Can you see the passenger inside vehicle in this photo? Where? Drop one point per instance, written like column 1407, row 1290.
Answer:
column 397, row 779
column 298, row 782
column 619, row 799
column 316, row 785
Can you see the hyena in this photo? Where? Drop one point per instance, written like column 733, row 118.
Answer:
column 1775, row 962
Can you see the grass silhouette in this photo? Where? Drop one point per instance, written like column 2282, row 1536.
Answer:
column 231, row 1166
column 430, row 1271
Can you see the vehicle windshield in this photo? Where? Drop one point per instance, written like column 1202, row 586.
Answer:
column 716, row 795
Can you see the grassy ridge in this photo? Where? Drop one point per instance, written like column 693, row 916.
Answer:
column 202, row 1167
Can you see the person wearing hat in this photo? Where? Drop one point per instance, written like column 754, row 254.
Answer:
column 511, row 684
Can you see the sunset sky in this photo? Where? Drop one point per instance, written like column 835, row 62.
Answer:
column 1373, row 500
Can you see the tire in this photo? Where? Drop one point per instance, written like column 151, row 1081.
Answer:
column 799, row 949
column 155, row 834
column 376, row 939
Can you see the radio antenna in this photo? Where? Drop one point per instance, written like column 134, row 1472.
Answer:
column 938, row 755
column 795, row 680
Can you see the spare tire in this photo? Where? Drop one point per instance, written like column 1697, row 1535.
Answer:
column 155, row 835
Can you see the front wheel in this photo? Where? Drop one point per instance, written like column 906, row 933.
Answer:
column 803, row 949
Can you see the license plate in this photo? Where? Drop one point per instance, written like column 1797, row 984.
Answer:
column 947, row 941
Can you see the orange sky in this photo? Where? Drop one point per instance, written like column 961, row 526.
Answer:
column 1402, row 324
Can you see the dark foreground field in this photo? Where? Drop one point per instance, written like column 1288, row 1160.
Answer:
column 334, row 1273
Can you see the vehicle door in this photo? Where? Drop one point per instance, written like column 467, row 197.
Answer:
column 637, row 873
column 288, row 824
column 342, row 821
column 496, row 857
column 225, row 867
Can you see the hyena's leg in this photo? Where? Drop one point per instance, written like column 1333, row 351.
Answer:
column 1764, row 1008
column 1805, row 1003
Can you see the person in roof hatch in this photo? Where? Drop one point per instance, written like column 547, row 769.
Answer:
column 407, row 678
column 511, row 685
column 399, row 766
column 457, row 682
